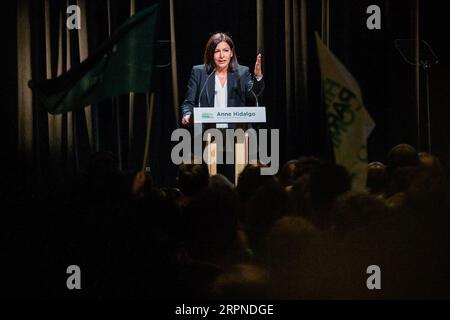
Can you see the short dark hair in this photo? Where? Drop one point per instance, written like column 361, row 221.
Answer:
column 327, row 182
column 192, row 178
column 208, row 56
column 402, row 155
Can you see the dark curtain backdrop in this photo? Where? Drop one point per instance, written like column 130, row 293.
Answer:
column 387, row 82
column 435, row 27
column 8, row 89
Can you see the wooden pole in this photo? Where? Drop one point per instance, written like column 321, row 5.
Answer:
column 417, row 73
column 148, row 133
column 288, row 66
column 260, row 26
column 173, row 50
column 131, row 98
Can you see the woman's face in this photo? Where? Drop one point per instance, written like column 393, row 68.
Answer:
column 222, row 55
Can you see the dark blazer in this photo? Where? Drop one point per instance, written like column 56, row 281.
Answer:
column 240, row 84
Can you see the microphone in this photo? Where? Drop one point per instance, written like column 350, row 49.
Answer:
column 204, row 85
column 256, row 98
column 254, row 94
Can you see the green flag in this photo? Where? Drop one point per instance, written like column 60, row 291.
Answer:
column 348, row 120
column 122, row 64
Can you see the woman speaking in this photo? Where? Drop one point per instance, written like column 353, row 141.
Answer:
column 220, row 82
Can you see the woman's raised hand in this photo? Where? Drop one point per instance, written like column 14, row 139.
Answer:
column 258, row 71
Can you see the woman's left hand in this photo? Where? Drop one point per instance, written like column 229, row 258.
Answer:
column 258, row 71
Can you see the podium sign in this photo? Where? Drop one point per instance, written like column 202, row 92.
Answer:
column 230, row 115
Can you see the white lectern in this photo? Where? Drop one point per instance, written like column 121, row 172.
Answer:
column 229, row 115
